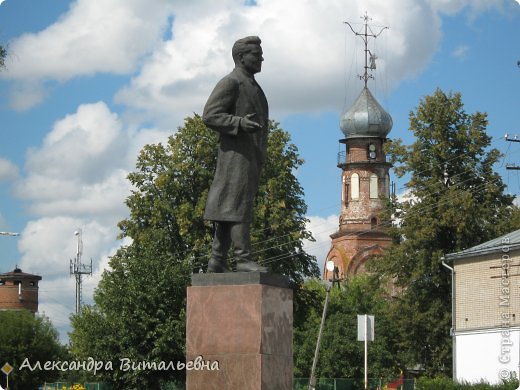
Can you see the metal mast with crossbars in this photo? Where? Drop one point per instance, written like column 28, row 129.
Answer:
column 78, row 269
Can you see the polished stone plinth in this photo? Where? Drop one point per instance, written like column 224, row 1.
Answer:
column 244, row 321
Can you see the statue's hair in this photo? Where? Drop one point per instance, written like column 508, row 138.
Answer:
column 244, row 45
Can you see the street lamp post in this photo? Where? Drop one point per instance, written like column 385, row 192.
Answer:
column 331, row 267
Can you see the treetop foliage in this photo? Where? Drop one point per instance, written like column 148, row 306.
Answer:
column 454, row 200
column 26, row 336
column 139, row 303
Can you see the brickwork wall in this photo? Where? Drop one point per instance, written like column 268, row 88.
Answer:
column 487, row 291
column 361, row 232
column 10, row 299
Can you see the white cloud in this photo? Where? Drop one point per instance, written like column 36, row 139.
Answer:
column 8, row 171
column 47, row 244
column 93, row 36
column 321, row 229
column 304, row 54
column 26, row 94
column 77, row 179
column 81, row 167
column 460, row 52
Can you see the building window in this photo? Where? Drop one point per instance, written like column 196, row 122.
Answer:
column 373, row 187
column 373, row 223
column 387, row 185
column 354, row 186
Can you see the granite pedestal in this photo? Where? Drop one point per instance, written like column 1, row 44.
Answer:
column 244, row 321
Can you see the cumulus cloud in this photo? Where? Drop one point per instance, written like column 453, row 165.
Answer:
column 321, row 229
column 49, row 243
column 176, row 51
column 304, row 54
column 8, row 171
column 77, row 179
column 109, row 36
column 80, row 165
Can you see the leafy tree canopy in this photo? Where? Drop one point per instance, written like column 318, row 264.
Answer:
column 341, row 354
column 139, row 304
column 25, row 336
column 454, row 200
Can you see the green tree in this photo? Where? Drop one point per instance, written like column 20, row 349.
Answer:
column 454, row 200
column 139, row 304
column 341, row 355
column 30, row 339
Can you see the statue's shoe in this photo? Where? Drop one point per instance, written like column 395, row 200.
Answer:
column 250, row 266
column 217, row 267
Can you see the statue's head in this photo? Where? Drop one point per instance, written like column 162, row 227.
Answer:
column 247, row 54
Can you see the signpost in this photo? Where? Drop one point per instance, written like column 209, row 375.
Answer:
column 366, row 334
column 7, row 369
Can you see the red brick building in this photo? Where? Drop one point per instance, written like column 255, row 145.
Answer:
column 365, row 184
column 19, row 290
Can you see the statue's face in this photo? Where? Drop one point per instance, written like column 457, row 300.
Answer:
column 252, row 60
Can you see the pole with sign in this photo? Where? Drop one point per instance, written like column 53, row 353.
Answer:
column 7, row 369
column 366, row 334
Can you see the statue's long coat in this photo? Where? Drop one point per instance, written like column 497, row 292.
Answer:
column 241, row 155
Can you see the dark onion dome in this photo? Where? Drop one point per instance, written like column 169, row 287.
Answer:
column 366, row 118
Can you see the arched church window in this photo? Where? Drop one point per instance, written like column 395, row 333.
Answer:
column 354, row 186
column 373, row 187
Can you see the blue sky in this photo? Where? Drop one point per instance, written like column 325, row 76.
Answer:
column 88, row 83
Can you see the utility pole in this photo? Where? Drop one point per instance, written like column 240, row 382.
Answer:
column 514, row 138
column 77, row 268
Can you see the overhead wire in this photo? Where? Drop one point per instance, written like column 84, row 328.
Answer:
column 278, row 256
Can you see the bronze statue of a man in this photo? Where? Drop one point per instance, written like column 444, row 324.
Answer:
column 237, row 109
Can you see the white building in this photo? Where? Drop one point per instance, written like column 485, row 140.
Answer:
column 486, row 305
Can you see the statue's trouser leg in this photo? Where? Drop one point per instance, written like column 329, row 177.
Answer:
column 220, row 247
column 241, row 238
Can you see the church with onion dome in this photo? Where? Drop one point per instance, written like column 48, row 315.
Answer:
column 365, row 183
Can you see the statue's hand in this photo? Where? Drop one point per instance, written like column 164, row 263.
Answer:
column 248, row 125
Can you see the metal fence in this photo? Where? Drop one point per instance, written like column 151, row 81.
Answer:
column 67, row 386
column 349, row 384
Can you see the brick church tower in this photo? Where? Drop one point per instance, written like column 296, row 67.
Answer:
column 365, row 182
